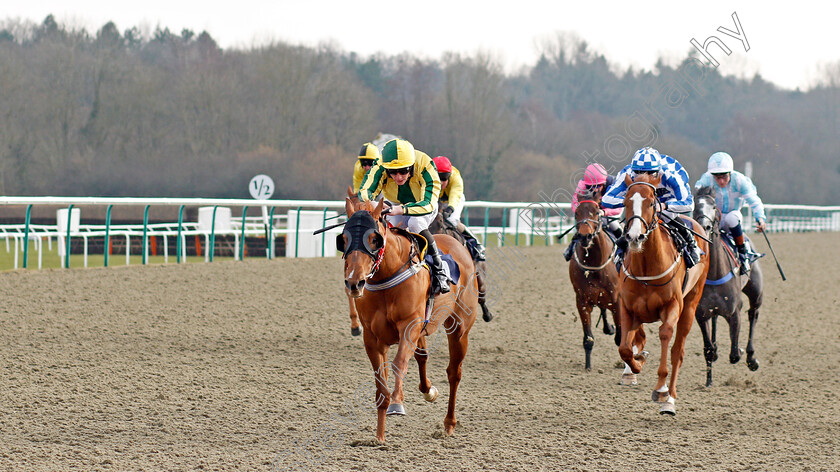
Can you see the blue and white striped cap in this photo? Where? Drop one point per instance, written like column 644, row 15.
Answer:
column 646, row 159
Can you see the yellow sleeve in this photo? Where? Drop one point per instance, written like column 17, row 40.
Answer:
column 358, row 176
column 372, row 183
column 455, row 189
column 429, row 183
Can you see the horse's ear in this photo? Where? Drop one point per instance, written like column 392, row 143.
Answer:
column 377, row 212
column 627, row 179
column 348, row 207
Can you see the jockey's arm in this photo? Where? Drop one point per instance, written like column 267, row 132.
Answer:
column 682, row 200
column 614, row 196
column 429, row 189
column 372, row 183
column 455, row 189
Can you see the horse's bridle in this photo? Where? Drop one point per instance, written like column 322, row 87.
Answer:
column 649, row 227
column 714, row 221
column 598, row 224
column 357, row 230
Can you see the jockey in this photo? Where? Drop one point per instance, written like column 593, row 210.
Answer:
column 732, row 189
column 452, row 192
column 368, row 156
column 594, row 177
column 673, row 192
column 410, row 182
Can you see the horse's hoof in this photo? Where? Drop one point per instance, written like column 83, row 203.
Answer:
column 486, row 315
column 734, row 359
column 609, row 329
column 667, row 409
column 356, row 331
column 395, row 409
column 628, row 380
column 642, row 356
column 752, row 364
column 431, row 395
column 660, row 397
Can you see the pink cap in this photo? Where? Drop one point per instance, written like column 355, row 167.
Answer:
column 595, row 174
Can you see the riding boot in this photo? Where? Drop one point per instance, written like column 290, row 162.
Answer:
column 743, row 254
column 689, row 245
column 620, row 249
column 567, row 254
column 476, row 248
column 437, row 263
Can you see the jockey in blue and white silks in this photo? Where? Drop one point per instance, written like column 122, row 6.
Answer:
column 732, row 190
column 673, row 192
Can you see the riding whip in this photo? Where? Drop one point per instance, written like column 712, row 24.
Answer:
column 778, row 266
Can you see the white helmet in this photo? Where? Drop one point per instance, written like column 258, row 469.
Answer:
column 720, row 163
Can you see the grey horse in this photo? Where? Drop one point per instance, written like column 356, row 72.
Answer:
column 722, row 294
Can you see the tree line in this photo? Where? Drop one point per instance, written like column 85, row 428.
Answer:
column 160, row 113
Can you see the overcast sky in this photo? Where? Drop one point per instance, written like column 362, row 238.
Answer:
column 789, row 44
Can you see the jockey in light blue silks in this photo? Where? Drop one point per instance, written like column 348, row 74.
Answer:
column 673, row 193
column 732, row 190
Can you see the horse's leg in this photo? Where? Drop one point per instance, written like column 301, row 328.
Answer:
column 714, row 338
column 355, row 329
column 377, row 353
column 708, row 348
column 684, row 323
column 734, row 328
column 585, row 311
column 630, row 348
column 422, row 355
column 754, row 293
column 409, row 339
column 608, row 328
column 669, row 316
column 481, row 278
column 457, row 351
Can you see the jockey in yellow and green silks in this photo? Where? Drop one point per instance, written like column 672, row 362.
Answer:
column 368, row 156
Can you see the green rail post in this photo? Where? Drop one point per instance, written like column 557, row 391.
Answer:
column 486, row 219
column 516, row 240
column 297, row 232
column 26, row 237
column 324, row 234
column 67, row 241
column 178, row 243
column 242, row 238
column 145, row 232
column 504, row 224
column 213, row 234
column 107, row 249
column 532, row 227
column 269, row 233
column 466, row 216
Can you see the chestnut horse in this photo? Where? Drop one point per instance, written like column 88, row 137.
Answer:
column 393, row 312
column 592, row 270
column 722, row 295
column 656, row 286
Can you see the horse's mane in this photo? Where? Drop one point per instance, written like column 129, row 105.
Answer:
column 706, row 191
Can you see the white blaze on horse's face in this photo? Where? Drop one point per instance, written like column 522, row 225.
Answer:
column 636, row 228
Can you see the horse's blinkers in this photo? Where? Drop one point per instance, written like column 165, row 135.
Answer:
column 358, row 229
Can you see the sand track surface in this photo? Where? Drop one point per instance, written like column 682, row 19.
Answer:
column 251, row 366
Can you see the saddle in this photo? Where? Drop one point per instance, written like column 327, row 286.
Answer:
column 453, row 271
column 733, row 248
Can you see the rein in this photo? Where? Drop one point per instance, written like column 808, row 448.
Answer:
column 595, row 231
column 650, row 228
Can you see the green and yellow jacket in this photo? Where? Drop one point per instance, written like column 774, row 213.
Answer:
column 420, row 193
column 453, row 194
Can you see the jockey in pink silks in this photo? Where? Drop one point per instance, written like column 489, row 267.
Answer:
column 595, row 177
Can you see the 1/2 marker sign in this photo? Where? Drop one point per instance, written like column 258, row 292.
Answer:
column 261, row 187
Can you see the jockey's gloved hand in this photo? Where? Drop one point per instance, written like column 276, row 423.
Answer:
column 448, row 211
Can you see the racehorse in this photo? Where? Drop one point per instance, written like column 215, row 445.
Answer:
column 592, row 270
column 376, row 258
column 656, row 286
column 441, row 225
column 722, row 295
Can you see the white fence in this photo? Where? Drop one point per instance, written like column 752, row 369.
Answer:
column 499, row 223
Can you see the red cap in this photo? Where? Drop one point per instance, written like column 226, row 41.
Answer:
column 443, row 165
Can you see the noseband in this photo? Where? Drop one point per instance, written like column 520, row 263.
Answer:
column 649, row 227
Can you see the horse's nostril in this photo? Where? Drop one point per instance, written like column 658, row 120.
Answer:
column 360, row 284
